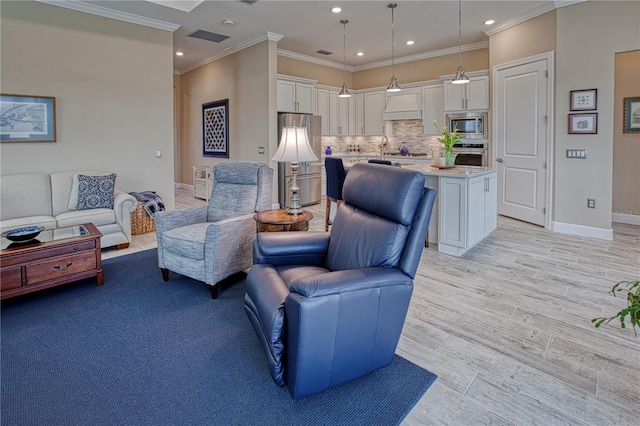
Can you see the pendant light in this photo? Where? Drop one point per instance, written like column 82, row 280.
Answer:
column 461, row 77
column 393, row 83
column 344, row 93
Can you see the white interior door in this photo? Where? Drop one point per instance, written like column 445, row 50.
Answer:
column 520, row 136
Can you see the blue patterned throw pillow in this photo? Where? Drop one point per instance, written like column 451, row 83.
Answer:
column 96, row 192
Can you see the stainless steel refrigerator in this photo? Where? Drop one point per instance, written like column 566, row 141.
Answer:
column 309, row 174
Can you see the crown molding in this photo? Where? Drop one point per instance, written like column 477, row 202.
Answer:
column 411, row 58
column 113, row 14
column 233, row 49
column 533, row 13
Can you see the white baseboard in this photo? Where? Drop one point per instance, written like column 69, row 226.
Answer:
column 631, row 219
column 583, row 231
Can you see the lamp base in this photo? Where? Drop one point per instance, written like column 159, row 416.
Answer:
column 295, row 208
column 294, row 211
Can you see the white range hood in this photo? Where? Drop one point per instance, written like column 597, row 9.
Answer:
column 402, row 107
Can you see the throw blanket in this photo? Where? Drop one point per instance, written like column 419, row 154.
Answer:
column 150, row 200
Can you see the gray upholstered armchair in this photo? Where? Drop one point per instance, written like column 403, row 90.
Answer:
column 213, row 242
column 330, row 307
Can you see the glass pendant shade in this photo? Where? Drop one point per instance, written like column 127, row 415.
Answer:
column 393, row 85
column 344, row 93
column 461, row 77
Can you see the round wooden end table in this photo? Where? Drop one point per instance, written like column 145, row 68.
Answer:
column 280, row 220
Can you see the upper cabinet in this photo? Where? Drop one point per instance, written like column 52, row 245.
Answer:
column 374, row 103
column 356, row 115
column 471, row 96
column 432, row 108
column 295, row 96
column 338, row 114
column 322, row 109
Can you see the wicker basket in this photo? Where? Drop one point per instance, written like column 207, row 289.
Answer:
column 141, row 223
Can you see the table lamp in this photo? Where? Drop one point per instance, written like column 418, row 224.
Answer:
column 293, row 148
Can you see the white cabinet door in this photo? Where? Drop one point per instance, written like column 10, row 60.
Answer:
column 294, row 97
column 491, row 204
column 374, row 103
column 343, row 116
column 452, row 194
column 304, row 97
column 471, row 96
column 322, row 109
column 334, row 115
column 286, row 96
column 432, row 108
column 358, row 112
column 475, row 214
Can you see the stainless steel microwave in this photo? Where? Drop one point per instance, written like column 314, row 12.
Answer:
column 469, row 125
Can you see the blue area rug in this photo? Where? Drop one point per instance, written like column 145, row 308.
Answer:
column 139, row 351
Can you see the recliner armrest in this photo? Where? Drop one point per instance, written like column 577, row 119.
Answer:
column 338, row 282
column 169, row 219
column 291, row 248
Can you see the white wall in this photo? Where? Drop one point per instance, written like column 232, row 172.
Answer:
column 588, row 36
column 113, row 87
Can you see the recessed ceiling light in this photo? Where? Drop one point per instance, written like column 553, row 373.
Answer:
column 179, row 53
column 360, row 53
column 336, row 9
column 489, row 22
column 227, row 22
column 410, row 42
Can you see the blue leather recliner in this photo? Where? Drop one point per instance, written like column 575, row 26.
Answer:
column 330, row 307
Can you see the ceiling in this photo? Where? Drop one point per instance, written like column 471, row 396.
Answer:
column 309, row 26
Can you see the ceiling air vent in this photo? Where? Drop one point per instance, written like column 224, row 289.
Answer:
column 206, row 35
column 325, row 52
column 249, row 2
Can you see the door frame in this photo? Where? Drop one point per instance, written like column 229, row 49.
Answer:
column 549, row 56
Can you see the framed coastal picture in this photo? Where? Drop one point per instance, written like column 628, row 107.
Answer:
column 631, row 115
column 583, row 123
column 27, row 118
column 584, row 100
column 215, row 129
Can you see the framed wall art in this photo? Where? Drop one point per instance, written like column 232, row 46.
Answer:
column 583, row 123
column 584, row 100
column 27, row 118
column 215, row 129
column 631, row 115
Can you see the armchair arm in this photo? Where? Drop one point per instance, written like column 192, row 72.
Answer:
column 228, row 247
column 339, row 282
column 291, row 248
column 166, row 220
column 123, row 205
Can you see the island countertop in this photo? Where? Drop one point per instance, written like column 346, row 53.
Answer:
column 427, row 170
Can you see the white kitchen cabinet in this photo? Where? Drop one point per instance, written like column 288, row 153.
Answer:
column 295, row 96
column 471, row 96
column 432, row 108
column 374, row 103
column 356, row 115
column 322, row 109
column 338, row 114
column 467, row 211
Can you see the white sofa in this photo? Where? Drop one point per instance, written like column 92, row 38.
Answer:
column 43, row 199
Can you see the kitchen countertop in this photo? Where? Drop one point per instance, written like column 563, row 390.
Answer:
column 427, row 170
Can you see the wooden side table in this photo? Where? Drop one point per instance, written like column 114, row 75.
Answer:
column 280, row 220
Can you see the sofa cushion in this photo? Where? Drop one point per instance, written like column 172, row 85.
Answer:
column 78, row 217
column 96, row 192
column 34, row 192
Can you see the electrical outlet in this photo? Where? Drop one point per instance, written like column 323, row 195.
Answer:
column 261, row 150
column 591, row 203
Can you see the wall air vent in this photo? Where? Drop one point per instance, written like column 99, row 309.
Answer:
column 206, row 35
column 325, row 52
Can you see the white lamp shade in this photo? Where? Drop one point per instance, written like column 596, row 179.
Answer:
column 294, row 146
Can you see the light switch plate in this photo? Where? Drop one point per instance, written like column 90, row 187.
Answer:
column 577, row 153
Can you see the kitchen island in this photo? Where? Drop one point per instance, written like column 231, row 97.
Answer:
column 466, row 207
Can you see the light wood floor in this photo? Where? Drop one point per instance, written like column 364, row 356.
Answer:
column 507, row 328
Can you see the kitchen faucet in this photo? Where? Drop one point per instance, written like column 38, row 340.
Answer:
column 384, row 142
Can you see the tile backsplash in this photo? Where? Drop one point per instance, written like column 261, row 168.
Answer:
column 400, row 133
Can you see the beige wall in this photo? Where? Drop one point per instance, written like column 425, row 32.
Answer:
column 422, row 70
column 112, row 84
column 323, row 74
column 589, row 35
column 535, row 36
column 248, row 80
column 626, row 146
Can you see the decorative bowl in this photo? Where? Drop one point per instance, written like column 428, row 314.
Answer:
column 23, row 234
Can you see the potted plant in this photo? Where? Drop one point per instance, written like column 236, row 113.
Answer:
column 632, row 289
column 448, row 140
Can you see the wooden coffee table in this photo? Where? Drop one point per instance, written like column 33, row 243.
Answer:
column 55, row 257
column 280, row 220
